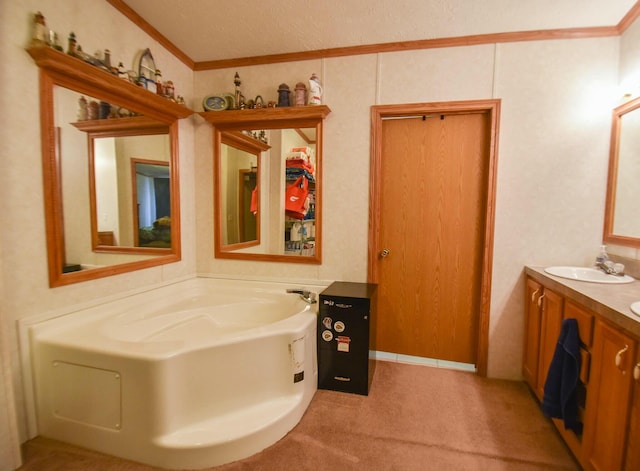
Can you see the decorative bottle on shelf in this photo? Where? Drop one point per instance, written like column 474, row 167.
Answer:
column 40, row 34
column 93, row 110
column 301, row 94
column 159, row 87
column 82, row 109
column 283, row 95
column 107, row 60
column 315, row 90
column 238, row 95
column 72, row 45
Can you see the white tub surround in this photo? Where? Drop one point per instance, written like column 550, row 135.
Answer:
column 192, row 375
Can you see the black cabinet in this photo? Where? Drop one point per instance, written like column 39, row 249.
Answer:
column 344, row 325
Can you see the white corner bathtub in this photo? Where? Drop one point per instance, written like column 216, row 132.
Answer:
column 191, row 375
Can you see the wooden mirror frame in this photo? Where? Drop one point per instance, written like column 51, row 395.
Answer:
column 267, row 118
column 609, row 216
column 59, row 69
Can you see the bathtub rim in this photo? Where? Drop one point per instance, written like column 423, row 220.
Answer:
column 25, row 324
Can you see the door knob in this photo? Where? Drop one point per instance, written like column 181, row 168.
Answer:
column 384, row 253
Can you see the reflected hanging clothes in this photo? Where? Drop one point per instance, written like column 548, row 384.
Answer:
column 254, row 201
column 560, row 388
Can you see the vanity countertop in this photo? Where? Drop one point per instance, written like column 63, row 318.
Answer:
column 611, row 301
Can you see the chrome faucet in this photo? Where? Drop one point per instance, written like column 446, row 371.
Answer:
column 611, row 268
column 308, row 296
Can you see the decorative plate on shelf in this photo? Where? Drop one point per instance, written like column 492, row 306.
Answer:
column 215, row 103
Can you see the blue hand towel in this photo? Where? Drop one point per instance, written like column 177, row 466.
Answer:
column 560, row 388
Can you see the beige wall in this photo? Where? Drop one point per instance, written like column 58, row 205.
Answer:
column 552, row 163
column 97, row 25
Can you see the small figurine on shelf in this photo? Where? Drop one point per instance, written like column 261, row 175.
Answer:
column 80, row 54
column 107, row 60
column 40, row 33
column 82, row 109
column 237, row 83
column 122, row 72
column 104, row 110
column 93, row 110
column 315, row 92
column 54, row 42
column 71, row 49
column 301, row 94
column 283, row 95
column 159, row 87
column 169, row 89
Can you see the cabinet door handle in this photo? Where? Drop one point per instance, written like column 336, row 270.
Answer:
column 619, row 356
column 636, row 372
column 540, row 300
column 533, row 295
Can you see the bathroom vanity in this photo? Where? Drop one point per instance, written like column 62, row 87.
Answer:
column 609, row 384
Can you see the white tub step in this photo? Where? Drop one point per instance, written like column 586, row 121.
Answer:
column 236, row 425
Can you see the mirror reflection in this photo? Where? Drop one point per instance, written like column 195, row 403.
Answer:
column 240, row 156
column 267, row 194
column 151, row 204
column 115, row 178
column 622, row 219
column 130, row 189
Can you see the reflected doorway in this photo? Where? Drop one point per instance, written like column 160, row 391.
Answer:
column 248, row 199
column 152, row 203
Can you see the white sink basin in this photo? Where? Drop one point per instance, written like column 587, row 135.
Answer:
column 635, row 308
column 591, row 275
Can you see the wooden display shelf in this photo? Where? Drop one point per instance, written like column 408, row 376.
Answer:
column 290, row 116
column 74, row 73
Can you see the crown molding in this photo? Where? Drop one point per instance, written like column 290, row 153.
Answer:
column 494, row 38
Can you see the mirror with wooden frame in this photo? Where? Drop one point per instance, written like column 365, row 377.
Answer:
column 76, row 198
column 284, row 146
column 622, row 216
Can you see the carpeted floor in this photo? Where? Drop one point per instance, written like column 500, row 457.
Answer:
column 415, row 418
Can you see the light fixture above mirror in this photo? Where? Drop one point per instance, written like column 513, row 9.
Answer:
column 292, row 157
column 622, row 217
column 75, row 251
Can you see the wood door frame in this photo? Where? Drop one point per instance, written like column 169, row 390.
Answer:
column 490, row 107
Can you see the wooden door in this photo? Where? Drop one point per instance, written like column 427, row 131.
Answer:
column 632, row 459
column 608, row 399
column 552, row 312
column 435, row 178
column 531, row 351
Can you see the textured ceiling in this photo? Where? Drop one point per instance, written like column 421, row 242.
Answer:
column 207, row 30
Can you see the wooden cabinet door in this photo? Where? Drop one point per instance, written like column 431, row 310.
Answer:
column 533, row 317
column 608, row 399
column 552, row 313
column 632, row 461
